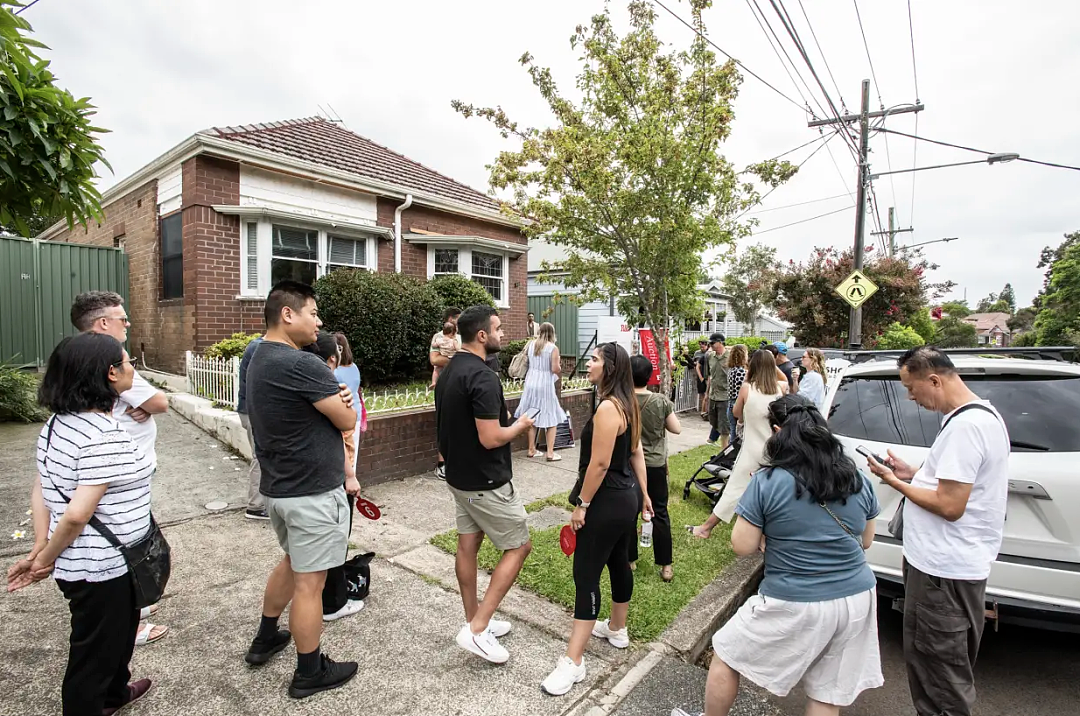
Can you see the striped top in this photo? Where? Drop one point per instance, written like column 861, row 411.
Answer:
column 93, row 449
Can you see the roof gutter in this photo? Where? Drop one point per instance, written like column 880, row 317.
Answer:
column 397, row 232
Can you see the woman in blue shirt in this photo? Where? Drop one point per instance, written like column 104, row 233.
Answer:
column 814, row 619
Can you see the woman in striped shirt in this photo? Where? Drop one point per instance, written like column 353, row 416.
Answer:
column 89, row 466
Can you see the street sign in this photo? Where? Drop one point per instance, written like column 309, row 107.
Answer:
column 856, row 289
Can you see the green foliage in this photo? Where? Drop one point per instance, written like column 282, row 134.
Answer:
column 459, row 292
column 954, row 332
column 1008, row 296
column 48, row 146
column 389, row 319
column 1058, row 321
column 1024, row 340
column 899, row 337
column 751, row 342
column 956, row 309
column 1023, row 320
column 231, row 347
column 630, row 179
column 921, row 322
column 805, row 296
column 18, row 396
column 508, row 352
column 749, row 282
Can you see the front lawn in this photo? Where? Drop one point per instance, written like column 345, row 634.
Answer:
column 655, row 604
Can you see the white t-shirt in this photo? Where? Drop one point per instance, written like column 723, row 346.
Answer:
column 145, row 434
column 92, row 449
column 973, row 449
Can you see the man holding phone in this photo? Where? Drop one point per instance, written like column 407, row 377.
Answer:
column 475, row 432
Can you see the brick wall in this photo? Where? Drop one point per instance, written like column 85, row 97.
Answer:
column 156, row 325
column 403, row 444
column 414, row 256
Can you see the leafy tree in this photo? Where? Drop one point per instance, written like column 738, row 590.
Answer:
column 1023, row 320
column 630, row 178
column 899, row 337
column 954, row 332
column 48, row 146
column 1058, row 321
column 748, row 282
column 460, row 292
column 956, row 309
column 1009, row 297
column 922, row 324
column 995, row 304
column 804, row 294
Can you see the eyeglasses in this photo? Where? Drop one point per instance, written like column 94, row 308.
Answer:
column 122, row 319
column 133, row 361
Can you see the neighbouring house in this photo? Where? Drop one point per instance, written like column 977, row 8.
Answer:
column 212, row 224
column 992, row 329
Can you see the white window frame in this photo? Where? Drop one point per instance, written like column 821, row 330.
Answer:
column 465, row 266
column 265, row 250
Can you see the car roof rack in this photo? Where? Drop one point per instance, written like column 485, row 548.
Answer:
column 1063, row 354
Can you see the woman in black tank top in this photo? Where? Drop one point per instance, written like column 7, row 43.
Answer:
column 611, row 481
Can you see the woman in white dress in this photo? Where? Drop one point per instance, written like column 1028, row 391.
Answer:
column 752, row 409
column 539, row 394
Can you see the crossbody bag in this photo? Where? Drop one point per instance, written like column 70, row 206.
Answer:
column 149, row 559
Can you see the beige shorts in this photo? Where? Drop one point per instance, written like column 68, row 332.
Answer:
column 313, row 530
column 831, row 647
column 498, row 513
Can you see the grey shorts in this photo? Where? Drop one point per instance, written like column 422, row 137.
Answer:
column 313, row 530
column 498, row 513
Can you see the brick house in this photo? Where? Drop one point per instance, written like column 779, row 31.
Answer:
column 992, row 329
column 213, row 223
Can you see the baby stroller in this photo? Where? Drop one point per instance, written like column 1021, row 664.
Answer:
column 716, row 471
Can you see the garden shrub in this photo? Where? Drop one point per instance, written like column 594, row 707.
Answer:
column 508, row 352
column 898, row 337
column 457, row 291
column 231, row 347
column 751, row 342
column 18, row 396
column 389, row 319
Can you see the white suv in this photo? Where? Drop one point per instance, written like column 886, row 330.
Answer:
column 1036, row 578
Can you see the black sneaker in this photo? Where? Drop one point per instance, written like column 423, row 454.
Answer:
column 330, row 676
column 440, row 472
column 256, row 515
column 261, row 651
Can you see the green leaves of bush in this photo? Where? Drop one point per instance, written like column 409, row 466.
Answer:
column 18, row 396
column 460, row 292
column 231, row 347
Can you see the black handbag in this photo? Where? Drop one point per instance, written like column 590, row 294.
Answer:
column 149, row 559
column 358, row 576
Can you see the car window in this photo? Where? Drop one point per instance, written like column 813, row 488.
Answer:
column 1041, row 412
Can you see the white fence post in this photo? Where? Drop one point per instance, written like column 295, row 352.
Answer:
column 187, row 372
column 235, row 363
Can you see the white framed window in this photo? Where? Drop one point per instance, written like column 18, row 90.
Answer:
column 272, row 252
column 488, row 268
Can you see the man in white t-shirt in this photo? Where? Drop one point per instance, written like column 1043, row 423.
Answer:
column 954, row 521
column 103, row 312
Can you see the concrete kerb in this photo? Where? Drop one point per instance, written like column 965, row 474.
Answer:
column 222, row 424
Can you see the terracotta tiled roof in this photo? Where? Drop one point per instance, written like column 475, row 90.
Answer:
column 320, row 141
column 988, row 321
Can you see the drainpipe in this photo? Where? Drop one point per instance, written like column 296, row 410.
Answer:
column 397, row 232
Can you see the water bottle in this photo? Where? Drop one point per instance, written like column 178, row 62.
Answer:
column 646, row 530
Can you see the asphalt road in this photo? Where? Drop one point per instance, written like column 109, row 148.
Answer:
column 1020, row 672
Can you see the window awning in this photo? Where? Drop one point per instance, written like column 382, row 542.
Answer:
column 480, row 242
column 254, row 211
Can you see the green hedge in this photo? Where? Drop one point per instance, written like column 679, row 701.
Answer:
column 231, row 347
column 389, row 319
column 460, row 292
column 18, row 396
column 751, row 341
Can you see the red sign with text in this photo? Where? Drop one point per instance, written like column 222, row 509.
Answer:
column 650, row 350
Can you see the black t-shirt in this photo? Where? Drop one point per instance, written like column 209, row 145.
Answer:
column 300, row 451
column 469, row 389
column 787, row 367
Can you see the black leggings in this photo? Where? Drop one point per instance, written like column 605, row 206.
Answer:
column 605, row 540
column 658, row 493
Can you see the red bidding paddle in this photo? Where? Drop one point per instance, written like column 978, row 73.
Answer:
column 567, row 540
column 368, row 509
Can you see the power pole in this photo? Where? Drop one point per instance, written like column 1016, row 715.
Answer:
column 863, row 117
column 892, row 232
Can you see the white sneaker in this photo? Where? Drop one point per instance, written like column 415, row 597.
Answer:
column 618, row 639
column 353, row 606
column 484, row 645
column 680, row 712
column 566, row 674
column 499, row 628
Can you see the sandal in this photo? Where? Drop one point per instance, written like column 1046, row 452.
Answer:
column 667, row 573
column 554, row 458
column 146, row 634
column 147, row 612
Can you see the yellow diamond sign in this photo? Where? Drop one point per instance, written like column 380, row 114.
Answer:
column 856, row 288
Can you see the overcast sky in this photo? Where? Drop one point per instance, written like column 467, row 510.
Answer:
column 997, row 75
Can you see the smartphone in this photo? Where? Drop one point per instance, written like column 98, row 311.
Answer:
column 866, row 453
column 533, row 413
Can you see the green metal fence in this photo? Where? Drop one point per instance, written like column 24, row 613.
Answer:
column 38, row 282
column 563, row 315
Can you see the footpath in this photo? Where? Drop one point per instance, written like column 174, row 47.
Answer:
column 403, row 639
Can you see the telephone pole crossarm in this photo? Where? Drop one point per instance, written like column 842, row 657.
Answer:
column 846, row 118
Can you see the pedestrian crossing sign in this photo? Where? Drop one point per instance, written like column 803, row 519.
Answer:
column 856, row 289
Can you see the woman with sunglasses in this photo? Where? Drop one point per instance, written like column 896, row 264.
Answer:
column 89, row 467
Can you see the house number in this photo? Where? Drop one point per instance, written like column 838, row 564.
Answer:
column 26, row 277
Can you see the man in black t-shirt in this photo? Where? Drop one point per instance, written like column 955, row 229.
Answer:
column 297, row 411
column 475, row 432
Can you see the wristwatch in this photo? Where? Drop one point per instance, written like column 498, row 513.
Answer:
column 583, row 505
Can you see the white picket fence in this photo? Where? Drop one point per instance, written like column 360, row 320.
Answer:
column 216, row 379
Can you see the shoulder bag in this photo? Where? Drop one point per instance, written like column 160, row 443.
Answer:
column 519, row 366
column 149, row 559
column 896, row 524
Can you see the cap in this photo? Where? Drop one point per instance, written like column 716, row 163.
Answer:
column 716, row 338
column 781, row 346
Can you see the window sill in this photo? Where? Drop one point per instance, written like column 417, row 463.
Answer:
column 250, row 298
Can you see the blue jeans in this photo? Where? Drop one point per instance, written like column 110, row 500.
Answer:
column 732, row 420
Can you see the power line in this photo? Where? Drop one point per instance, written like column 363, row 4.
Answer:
column 978, row 151
column 915, row 145
column 866, row 46
column 914, row 163
column 24, row 8
column 777, row 47
column 914, row 67
column 804, row 144
column 750, row 72
column 821, row 52
column 803, row 221
column 798, row 166
column 801, row 203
